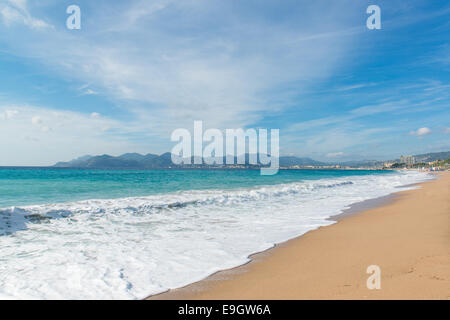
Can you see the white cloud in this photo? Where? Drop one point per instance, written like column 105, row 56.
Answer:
column 8, row 114
column 95, row 115
column 20, row 4
column 16, row 11
column 11, row 113
column 447, row 130
column 89, row 92
column 144, row 8
column 355, row 86
column 36, row 120
column 421, row 132
column 57, row 135
column 85, row 90
column 347, row 137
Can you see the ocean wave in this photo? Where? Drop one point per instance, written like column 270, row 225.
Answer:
column 15, row 218
column 129, row 248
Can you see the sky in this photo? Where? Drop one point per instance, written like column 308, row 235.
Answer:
column 139, row 69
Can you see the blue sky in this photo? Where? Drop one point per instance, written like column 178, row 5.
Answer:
column 137, row 70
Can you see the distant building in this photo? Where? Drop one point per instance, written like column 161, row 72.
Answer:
column 409, row 160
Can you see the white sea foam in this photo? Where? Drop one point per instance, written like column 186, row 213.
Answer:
column 132, row 247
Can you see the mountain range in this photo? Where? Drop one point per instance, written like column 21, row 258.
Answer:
column 153, row 161
column 164, row 161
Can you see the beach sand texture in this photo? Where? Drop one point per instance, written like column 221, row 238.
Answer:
column 408, row 238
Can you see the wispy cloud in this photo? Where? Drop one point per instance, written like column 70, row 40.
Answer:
column 220, row 73
column 355, row 86
column 60, row 134
column 85, row 90
column 352, row 114
column 16, row 11
column 335, row 154
column 8, row 114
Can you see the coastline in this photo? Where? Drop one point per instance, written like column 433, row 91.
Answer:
column 409, row 244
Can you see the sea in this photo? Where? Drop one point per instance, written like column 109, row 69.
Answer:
column 128, row 234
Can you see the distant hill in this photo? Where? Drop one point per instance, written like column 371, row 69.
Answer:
column 75, row 162
column 362, row 163
column 153, row 161
column 287, row 161
column 124, row 161
column 427, row 157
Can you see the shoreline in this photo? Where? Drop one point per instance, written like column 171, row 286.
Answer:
column 353, row 209
column 239, row 282
column 361, row 206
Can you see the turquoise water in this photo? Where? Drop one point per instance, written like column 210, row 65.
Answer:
column 29, row 186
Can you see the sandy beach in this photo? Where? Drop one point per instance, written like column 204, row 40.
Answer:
column 408, row 237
